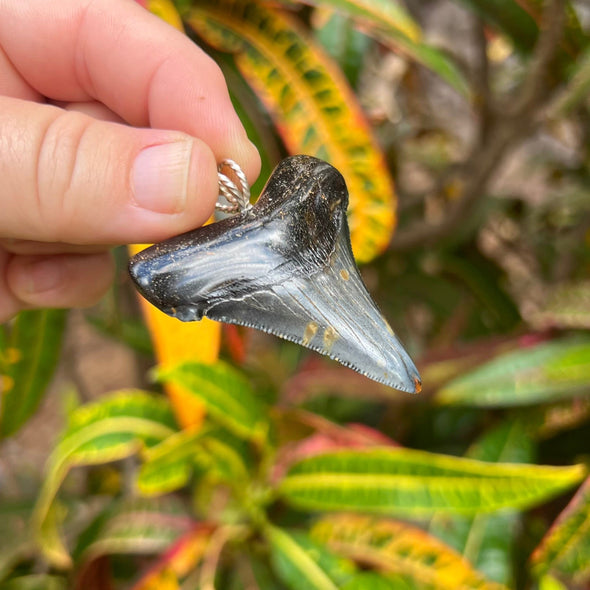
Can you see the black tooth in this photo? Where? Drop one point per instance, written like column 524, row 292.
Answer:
column 278, row 268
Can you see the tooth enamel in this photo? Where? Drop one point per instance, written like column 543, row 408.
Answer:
column 285, row 266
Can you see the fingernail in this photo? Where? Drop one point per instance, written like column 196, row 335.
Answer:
column 160, row 176
column 40, row 276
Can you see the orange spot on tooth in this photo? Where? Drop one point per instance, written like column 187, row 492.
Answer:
column 417, row 385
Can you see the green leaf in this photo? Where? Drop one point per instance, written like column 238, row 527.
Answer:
column 574, row 38
column 547, row 420
column 35, row 582
column 303, row 564
column 255, row 121
column 130, row 331
column 509, row 442
column 551, row 583
column 263, row 574
column 565, row 549
column 509, row 17
column 138, row 526
column 226, row 456
column 226, row 394
column 482, row 280
column 520, row 21
column 434, row 59
column 389, row 22
column 415, row 483
column 344, row 43
column 373, row 581
column 28, row 357
column 575, row 93
column 168, row 466
column 47, row 533
column 387, row 14
column 488, row 540
column 546, row 372
column 110, row 429
column 15, row 542
column 399, row 548
column 569, row 304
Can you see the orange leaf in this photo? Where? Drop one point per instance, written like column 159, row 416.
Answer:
column 400, row 548
column 173, row 340
column 178, row 561
column 176, row 341
column 165, row 579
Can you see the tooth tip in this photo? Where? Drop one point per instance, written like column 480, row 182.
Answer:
column 417, row 384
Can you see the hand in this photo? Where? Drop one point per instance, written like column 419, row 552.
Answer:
column 111, row 124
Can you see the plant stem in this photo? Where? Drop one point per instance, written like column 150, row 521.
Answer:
column 497, row 133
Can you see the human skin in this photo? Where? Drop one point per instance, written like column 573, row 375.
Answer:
column 111, row 127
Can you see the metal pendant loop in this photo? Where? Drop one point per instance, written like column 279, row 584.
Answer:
column 237, row 194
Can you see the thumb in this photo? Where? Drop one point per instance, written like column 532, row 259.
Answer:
column 67, row 177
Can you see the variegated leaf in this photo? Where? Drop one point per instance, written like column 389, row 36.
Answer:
column 139, row 526
column 303, row 563
column 108, row 430
column 225, row 393
column 565, row 549
column 313, row 107
column 547, row 372
column 488, row 540
column 177, row 561
column 415, row 483
column 167, row 466
column 400, row 548
column 29, row 354
column 389, row 22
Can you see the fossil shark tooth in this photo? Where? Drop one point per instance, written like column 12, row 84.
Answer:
column 284, row 266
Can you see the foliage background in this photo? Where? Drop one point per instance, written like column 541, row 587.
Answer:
column 478, row 112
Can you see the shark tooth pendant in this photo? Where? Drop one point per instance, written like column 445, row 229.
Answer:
column 284, row 266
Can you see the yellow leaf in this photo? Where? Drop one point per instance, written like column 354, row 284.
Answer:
column 551, row 583
column 166, row 10
column 165, row 579
column 176, row 341
column 399, row 548
column 6, row 383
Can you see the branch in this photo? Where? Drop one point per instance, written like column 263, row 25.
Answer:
column 574, row 93
column 212, row 556
column 477, row 171
column 496, row 135
column 481, row 82
column 534, row 89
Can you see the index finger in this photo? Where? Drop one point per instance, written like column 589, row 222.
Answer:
column 115, row 52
